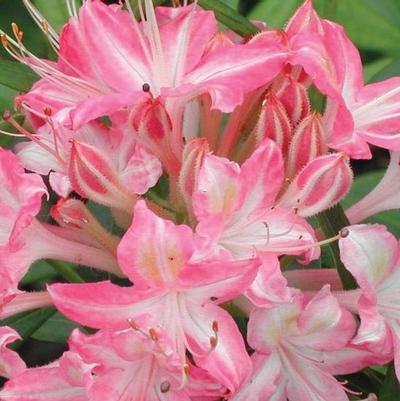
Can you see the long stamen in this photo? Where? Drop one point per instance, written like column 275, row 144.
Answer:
column 342, row 234
column 9, row 118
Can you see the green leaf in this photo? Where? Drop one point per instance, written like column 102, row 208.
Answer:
column 39, row 271
column 56, row 329
column 361, row 186
column 27, row 323
column 275, row 13
column 388, row 70
column 16, row 75
column 229, row 17
column 331, row 222
column 371, row 24
column 391, row 387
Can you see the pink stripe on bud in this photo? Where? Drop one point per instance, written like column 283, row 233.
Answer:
column 320, row 185
column 308, row 142
column 93, row 176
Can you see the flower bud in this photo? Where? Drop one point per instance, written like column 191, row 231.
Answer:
column 294, row 97
column 273, row 123
column 192, row 160
column 308, row 142
column 93, row 176
column 153, row 128
column 320, row 185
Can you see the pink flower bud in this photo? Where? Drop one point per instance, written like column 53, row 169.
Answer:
column 320, row 185
column 93, row 176
column 192, row 160
column 308, row 142
column 294, row 97
column 273, row 123
column 153, row 128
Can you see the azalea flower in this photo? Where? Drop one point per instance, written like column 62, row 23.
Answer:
column 172, row 290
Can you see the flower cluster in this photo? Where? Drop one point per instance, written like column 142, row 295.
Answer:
column 206, row 151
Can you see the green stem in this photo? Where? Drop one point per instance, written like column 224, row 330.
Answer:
column 66, row 271
column 331, row 222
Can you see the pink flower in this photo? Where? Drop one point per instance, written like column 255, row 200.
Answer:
column 171, row 290
column 64, row 380
column 135, row 364
column 371, row 254
column 106, row 57
column 23, row 239
column 236, row 206
column 290, row 341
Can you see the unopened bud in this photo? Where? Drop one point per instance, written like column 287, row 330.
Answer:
column 152, row 127
column 294, row 98
column 319, row 186
column 93, row 176
column 308, row 142
column 273, row 123
column 192, row 158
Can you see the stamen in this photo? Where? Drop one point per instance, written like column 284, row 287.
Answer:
column 7, row 116
column 309, row 246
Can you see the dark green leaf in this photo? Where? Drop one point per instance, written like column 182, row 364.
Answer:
column 56, row 329
column 229, row 17
column 391, row 388
column 331, row 222
column 16, row 76
column 27, row 323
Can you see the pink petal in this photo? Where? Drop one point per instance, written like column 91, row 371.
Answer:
column 11, row 363
column 153, row 251
column 370, row 253
column 104, row 305
column 228, row 362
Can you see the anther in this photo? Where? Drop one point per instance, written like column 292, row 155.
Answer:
column 213, row 342
column 47, row 111
column 4, row 40
column 7, row 115
column 45, row 25
column 146, row 87
column 16, row 31
column 133, row 324
column 186, row 370
column 213, row 299
column 165, row 386
column 153, row 334
column 215, row 326
column 344, row 232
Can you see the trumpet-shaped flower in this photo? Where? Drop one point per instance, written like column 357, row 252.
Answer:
column 173, row 291
column 24, row 239
column 138, row 365
column 67, row 379
column 290, row 341
column 371, row 254
column 235, row 206
column 106, row 57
